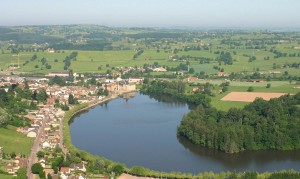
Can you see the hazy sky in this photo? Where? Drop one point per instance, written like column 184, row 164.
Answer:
column 153, row 13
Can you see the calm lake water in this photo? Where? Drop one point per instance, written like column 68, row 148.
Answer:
column 142, row 131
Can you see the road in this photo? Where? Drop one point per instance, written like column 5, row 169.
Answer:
column 35, row 148
column 61, row 142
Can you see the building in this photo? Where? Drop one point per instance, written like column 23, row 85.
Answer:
column 59, row 74
column 65, row 172
column 189, row 79
column 136, row 80
column 221, row 73
column 79, row 166
column 50, row 50
column 32, row 134
column 159, row 69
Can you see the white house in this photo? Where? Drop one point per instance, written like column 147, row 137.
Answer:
column 81, row 176
column 45, row 144
column 79, row 166
column 63, row 176
column 32, row 134
column 43, row 162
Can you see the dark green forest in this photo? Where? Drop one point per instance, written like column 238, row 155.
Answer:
column 273, row 124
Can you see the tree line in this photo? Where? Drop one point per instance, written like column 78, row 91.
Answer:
column 176, row 89
column 273, row 124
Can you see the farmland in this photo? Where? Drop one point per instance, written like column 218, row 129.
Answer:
column 89, row 61
column 250, row 96
column 270, row 56
column 264, row 52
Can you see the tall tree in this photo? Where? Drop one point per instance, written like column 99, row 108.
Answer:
column 71, row 99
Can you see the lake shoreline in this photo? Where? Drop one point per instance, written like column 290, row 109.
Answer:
column 130, row 104
column 100, row 101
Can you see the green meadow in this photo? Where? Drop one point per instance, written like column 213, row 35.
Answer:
column 2, row 176
column 13, row 141
column 89, row 61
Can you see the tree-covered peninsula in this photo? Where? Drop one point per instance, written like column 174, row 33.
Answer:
column 273, row 124
column 260, row 125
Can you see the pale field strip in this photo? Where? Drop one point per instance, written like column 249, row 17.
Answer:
column 127, row 176
column 250, row 96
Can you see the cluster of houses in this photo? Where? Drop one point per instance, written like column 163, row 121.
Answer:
column 74, row 171
column 66, row 172
column 125, row 70
column 82, row 94
column 46, row 121
column 47, row 117
column 15, row 164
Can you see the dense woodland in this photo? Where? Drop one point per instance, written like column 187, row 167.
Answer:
column 273, row 124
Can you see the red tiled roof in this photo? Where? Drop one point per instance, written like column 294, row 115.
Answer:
column 65, row 169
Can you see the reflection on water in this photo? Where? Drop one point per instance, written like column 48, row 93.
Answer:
column 244, row 160
column 127, row 96
column 142, row 131
column 170, row 101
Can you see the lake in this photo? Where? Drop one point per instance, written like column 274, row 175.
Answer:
column 142, row 131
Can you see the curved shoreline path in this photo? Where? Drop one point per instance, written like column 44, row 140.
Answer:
column 127, row 176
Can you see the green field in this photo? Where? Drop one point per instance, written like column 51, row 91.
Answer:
column 13, row 141
column 6, row 176
column 157, row 45
column 89, row 61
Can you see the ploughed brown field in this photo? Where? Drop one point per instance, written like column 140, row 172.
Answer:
column 250, row 96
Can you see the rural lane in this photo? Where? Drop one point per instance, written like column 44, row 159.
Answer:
column 35, row 148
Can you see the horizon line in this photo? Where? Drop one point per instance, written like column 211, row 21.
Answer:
column 179, row 27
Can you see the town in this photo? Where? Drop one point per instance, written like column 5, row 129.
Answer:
column 46, row 122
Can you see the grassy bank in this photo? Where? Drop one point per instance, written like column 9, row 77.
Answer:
column 67, row 134
column 2, row 176
column 13, row 141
